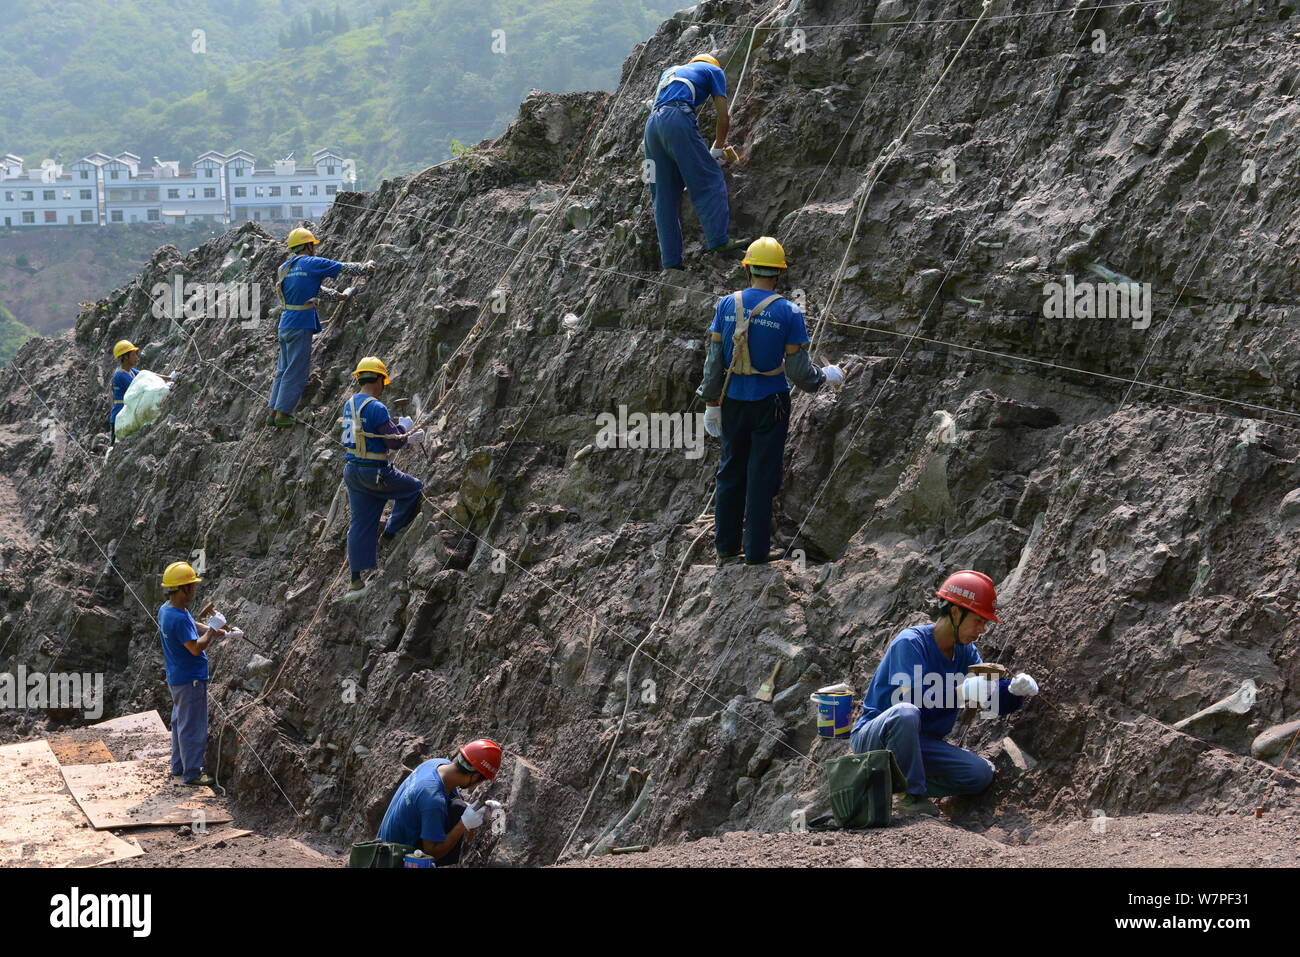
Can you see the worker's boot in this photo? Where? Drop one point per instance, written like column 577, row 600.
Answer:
column 282, row 421
column 204, row 780
column 908, row 803
column 730, row 558
column 731, row 249
column 775, row 555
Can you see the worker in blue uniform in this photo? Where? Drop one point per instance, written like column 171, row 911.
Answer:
column 678, row 157
column 298, row 282
column 746, row 391
column 922, row 684
column 369, row 435
column 128, row 356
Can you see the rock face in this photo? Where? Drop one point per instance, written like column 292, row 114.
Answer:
column 1134, row 528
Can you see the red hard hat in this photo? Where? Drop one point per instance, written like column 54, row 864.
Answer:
column 972, row 590
column 484, row 756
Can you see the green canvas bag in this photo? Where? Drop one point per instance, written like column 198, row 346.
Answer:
column 378, row 854
column 862, row 787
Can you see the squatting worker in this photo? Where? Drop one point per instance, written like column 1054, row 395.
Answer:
column 678, row 157
column 368, row 435
column 750, row 361
column 298, row 281
column 183, row 643
column 428, row 811
column 128, row 356
column 900, row 715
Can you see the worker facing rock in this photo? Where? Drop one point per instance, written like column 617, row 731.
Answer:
column 368, row 435
column 921, row 685
column 428, row 811
column 677, row 157
column 186, row 660
column 298, row 282
column 747, row 397
column 128, row 356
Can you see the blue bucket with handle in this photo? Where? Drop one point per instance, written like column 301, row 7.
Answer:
column 834, row 710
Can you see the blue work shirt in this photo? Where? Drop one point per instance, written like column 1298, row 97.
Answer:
column 374, row 419
column 418, row 811
column 915, row 648
column 779, row 325
column 707, row 79
column 302, row 282
column 121, row 382
column 176, row 626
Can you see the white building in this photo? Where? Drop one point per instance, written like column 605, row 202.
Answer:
column 225, row 188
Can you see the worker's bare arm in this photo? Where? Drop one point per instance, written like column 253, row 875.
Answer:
column 444, row 847
column 724, row 122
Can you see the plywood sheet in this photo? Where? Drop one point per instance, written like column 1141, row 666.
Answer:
column 144, row 721
column 69, row 750
column 135, row 793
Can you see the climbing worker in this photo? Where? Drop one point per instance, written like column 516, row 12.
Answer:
column 678, row 157
column 368, row 435
column 128, row 355
column 298, row 281
column 916, row 694
column 183, row 643
column 749, row 361
column 428, row 812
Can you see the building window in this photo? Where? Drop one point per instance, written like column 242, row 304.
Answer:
column 51, row 216
column 9, row 196
column 257, row 191
column 86, row 216
column 241, row 192
column 112, row 174
column 29, row 217
column 295, row 190
column 152, row 215
column 67, row 194
column 47, row 195
column 331, row 190
column 115, row 216
column 239, row 171
column 208, row 173
column 85, row 174
column 87, row 194
column 25, row 195
column 275, row 190
column 314, row 190
column 173, row 194
column 209, row 192
column 295, row 212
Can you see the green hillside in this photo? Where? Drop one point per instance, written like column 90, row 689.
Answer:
column 12, row 334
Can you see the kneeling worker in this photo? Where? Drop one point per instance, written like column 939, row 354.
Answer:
column 428, row 812
column 368, row 435
column 901, row 716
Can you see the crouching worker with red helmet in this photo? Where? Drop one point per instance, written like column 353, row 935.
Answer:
column 920, row 687
column 429, row 814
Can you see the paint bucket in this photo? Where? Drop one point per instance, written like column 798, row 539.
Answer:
column 417, row 859
column 834, row 709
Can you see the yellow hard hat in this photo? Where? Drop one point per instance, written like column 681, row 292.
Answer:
column 765, row 251
column 299, row 236
column 371, row 364
column 707, row 58
column 123, row 347
column 178, row 574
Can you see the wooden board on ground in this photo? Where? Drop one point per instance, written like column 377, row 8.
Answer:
column 70, row 750
column 132, row 737
column 144, row 721
column 40, row 823
column 134, row 793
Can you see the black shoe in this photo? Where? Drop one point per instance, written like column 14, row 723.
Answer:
column 731, row 558
column 730, row 249
column 775, row 555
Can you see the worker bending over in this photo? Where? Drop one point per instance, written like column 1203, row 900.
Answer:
column 186, row 660
column 750, row 362
column 128, row 355
column 368, row 435
column 678, row 157
column 298, row 282
column 428, row 812
column 916, row 694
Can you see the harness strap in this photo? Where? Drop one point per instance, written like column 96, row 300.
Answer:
column 740, row 361
column 279, row 287
column 359, row 449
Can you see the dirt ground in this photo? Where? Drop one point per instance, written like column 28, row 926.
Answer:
column 180, row 847
column 1145, row 840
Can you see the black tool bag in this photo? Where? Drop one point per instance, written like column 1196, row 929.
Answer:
column 862, row 787
column 378, row 854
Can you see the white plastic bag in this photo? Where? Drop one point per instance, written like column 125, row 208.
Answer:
column 142, row 403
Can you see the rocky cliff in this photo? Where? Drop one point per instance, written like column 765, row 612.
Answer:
column 1125, row 481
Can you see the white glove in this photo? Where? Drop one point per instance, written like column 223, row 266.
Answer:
column 490, row 809
column 415, row 438
column 472, row 818
column 834, row 375
column 716, row 152
column 371, row 265
column 175, row 377
column 406, row 423
column 1023, row 685
column 975, row 692
column 713, row 420
column 217, row 621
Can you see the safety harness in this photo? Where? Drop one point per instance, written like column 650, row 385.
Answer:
column 279, row 287
column 359, row 435
column 121, row 401
column 669, row 77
